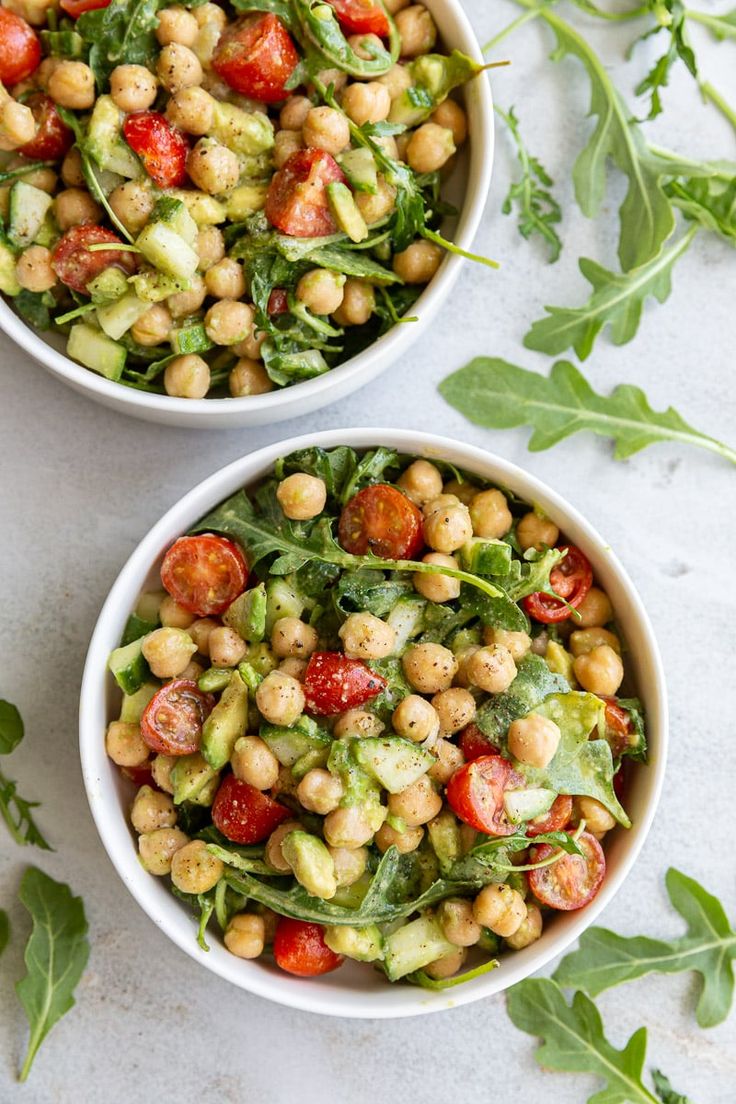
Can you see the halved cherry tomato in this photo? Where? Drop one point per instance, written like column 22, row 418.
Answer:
column 20, row 48
column 172, row 721
column 53, row 138
column 141, row 775
column 382, row 520
column 361, row 16
column 619, row 727
column 571, row 579
column 245, row 814
column 333, row 683
column 296, row 202
column 161, row 147
column 76, row 266
column 554, row 820
column 257, row 57
column 473, row 743
column 475, row 793
column 278, row 301
column 204, row 574
column 300, row 949
column 75, row 8
column 573, row 881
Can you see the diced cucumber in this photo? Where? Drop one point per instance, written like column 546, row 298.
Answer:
column 95, row 350
column 129, row 667
column 522, row 805
column 190, row 339
column 248, row 132
column 359, row 166
column 281, row 601
column 407, row 621
column 194, row 780
column 174, row 214
column 392, row 761
column 247, row 614
column 136, row 627
column 204, row 209
column 486, row 557
column 345, row 211
column 226, row 723
column 28, row 207
column 8, row 282
column 133, row 705
column 414, row 946
column 245, row 200
column 105, row 142
column 290, row 744
column 154, row 286
column 167, row 251
column 117, row 318
column 108, row 287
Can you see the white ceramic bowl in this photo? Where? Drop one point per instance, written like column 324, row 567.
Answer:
column 355, row 990
column 467, row 189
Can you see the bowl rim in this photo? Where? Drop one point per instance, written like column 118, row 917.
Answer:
column 360, row 368
column 281, row 988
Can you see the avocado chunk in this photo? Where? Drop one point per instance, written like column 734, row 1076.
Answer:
column 247, row 614
column 108, row 287
column 246, row 132
column 311, row 863
column 133, row 705
column 362, row 944
column 486, row 557
column 105, row 142
column 8, row 281
column 290, row 744
column 444, row 835
column 245, row 200
column 226, row 723
column 345, row 211
column 194, row 780
column 392, row 761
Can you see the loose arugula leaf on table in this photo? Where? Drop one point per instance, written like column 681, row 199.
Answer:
column 664, row 1090
column 708, row 947
column 493, row 393
column 538, row 210
column 56, row 955
column 15, row 810
column 573, row 1040
column 707, row 201
column 671, row 17
column 720, row 26
column 11, row 727
column 617, row 300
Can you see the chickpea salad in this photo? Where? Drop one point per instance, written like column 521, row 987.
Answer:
column 375, row 713
column 221, row 199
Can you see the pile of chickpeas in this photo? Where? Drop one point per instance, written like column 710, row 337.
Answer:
column 183, row 71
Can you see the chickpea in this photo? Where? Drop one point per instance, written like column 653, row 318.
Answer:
column 449, row 759
column 213, row 167
column 192, row 109
column 429, row 667
column 394, row 6
column 228, row 322
column 335, row 77
column 499, row 908
column 537, row 532
column 157, row 849
column 253, row 762
column 596, row 816
column 132, row 87
column 462, row 678
column 446, row 966
column 184, row 303
column 365, row 45
column 417, row 30
column 529, row 929
column 418, row 263
column 43, row 179
column 595, row 609
column 71, row 169
column 194, row 869
column 459, row 926
column 125, row 745
column 72, row 84
column 245, row 935
column 365, row 636
column 178, row 67
column 200, row 632
column 366, row 103
column 375, row 207
column 280, row 698
column 152, row 810
column 397, row 80
column 42, row 76
column 583, row 641
column 76, row 207
column 326, row 129
column 285, row 143
column 225, row 280
column 415, row 719
column 455, row 709
column 358, row 303
column 251, row 347
column 274, row 855
column 447, row 528
column 463, row 490
column 132, row 203
column 518, row 643
column 350, row 865
column 187, row 377
column 295, row 667
column 210, row 13
column 404, row 842
column 153, row 327
column 321, row 291
column 416, row 804
column 291, row 636
column 33, row 269
column 210, row 247
column 438, row 588
column 161, row 767
column 193, row 671
column 249, row 377
column 168, row 651
column 600, row 671
column 17, row 125
column 357, row 722
column 490, row 515
column 294, row 113
column 319, row 791
column 172, row 615
column 176, row 25
column 227, row 647
column 348, row 827
column 301, row 496
column 451, row 115
column 492, row 668
column 534, row 740
column 430, row 146
column 421, row 482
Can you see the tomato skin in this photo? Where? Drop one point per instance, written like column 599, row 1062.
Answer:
column 245, row 814
column 300, row 949
column 53, row 138
column 278, row 301
column 75, row 8
column 296, row 202
column 172, row 721
column 381, row 520
column 572, row 882
column 141, row 775
column 555, row 820
column 161, row 147
column 475, row 793
column 619, row 727
column 257, row 57
column 20, row 48
column 76, row 266
column 204, row 573
column 333, row 683
column 361, row 16
column 473, row 743
column 571, row 579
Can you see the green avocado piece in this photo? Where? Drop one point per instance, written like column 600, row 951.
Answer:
column 311, row 863
column 226, row 723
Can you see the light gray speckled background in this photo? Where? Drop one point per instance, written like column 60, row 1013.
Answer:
column 81, row 485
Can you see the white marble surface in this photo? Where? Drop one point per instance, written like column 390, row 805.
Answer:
column 81, row 485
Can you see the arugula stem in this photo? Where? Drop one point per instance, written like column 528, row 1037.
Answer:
column 450, row 247
column 613, row 17
column 718, row 26
column 520, row 20
column 679, row 162
column 714, row 96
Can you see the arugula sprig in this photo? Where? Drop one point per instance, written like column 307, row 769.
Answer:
column 538, row 211
column 14, row 809
column 670, row 17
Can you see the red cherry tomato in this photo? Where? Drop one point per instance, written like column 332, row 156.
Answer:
column 571, row 579
column 573, row 881
column 257, row 58
column 172, row 721
column 245, row 814
column 361, row 16
column 475, row 793
column 204, row 574
column 382, row 520
column 161, row 147
column 75, row 8
column 333, row 683
column 619, row 727
column 473, row 743
column 296, row 202
column 140, row 775
column 554, row 820
column 300, row 949
column 278, row 302
column 76, row 266
column 20, row 48
column 53, row 138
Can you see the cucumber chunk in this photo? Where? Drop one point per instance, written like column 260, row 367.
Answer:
column 414, row 946
column 392, row 761
column 133, row 705
column 522, row 805
column 28, row 207
column 96, row 350
column 116, row 319
column 167, row 251
column 129, row 667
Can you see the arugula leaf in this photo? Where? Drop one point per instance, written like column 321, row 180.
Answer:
column 605, row 959
column 664, row 1090
column 538, row 210
column 617, row 300
column 202, row 904
column 4, row 930
column 15, row 810
column 281, row 8
column 533, row 683
column 11, row 727
column 707, row 201
column 56, row 955
column 671, row 17
column 493, row 393
column 122, row 33
column 419, row 977
column 20, row 171
column 720, row 26
column 574, row 1041
column 333, row 466
column 33, row 307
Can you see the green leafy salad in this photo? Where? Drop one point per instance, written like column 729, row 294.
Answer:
column 378, row 711
column 215, row 200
